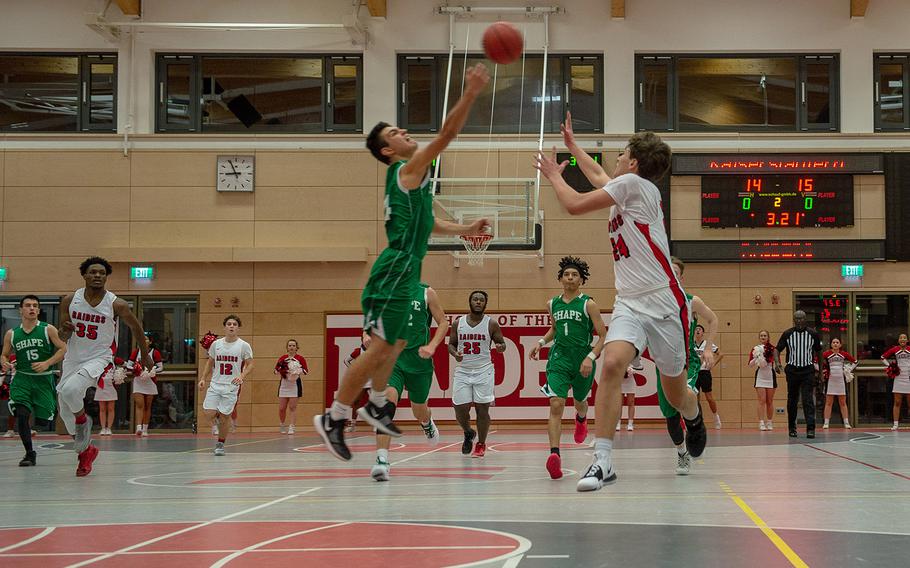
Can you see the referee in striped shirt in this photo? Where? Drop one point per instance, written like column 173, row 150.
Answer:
column 802, row 345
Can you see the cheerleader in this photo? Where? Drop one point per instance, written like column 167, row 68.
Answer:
column 289, row 367
column 762, row 359
column 837, row 364
column 106, row 396
column 897, row 360
column 628, row 398
column 145, row 387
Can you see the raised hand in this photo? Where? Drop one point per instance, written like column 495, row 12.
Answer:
column 477, row 78
column 548, row 166
column 479, row 227
column 568, row 135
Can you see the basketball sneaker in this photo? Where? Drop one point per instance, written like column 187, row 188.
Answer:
column 683, row 463
column 291, row 430
column 468, row 442
column 380, row 471
column 630, row 427
column 554, row 466
column 139, row 430
column 332, row 434
column 480, row 450
column 696, row 435
column 581, row 430
column 596, row 476
column 86, row 457
column 431, row 432
column 29, row 459
column 83, row 435
column 283, row 429
column 219, row 448
column 380, row 418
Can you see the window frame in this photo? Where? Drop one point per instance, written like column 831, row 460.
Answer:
column 83, row 89
column 439, row 61
column 325, row 126
column 800, row 123
column 877, row 60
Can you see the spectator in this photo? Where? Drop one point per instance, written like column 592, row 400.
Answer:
column 802, row 344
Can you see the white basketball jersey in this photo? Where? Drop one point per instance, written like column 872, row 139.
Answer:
column 474, row 343
column 228, row 358
column 95, row 333
column 641, row 252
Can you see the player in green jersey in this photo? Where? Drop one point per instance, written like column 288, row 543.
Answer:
column 571, row 362
column 414, row 371
column 395, row 275
column 37, row 347
column 704, row 317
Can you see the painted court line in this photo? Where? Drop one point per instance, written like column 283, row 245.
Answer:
column 38, row 536
column 273, row 550
column 252, row 547
column 194, row 527
column 784, row 548
column 440, row 448
column 881, row 469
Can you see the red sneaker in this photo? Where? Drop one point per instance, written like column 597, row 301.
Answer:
column 85, row 461
column 554, row 466
column 479, row 450
column 581, row 431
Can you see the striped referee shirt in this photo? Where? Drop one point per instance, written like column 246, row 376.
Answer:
column 801, row 346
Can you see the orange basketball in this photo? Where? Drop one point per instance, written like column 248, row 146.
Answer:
column 502, row 42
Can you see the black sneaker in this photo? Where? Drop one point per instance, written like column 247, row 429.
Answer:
column 696, row 436
column 792, row 433
column 595, row 478
column 28, row 460
column 468, row 443
column 810, row 434
column 332, row 433
column 380, row 418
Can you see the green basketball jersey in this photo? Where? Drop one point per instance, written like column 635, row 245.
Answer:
column 419, row 319
column 32, row 347
column 408, row 214
column 571, row 323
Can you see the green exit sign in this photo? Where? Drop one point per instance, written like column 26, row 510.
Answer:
column 142, row 272
column 851, row 270
column 4, row 272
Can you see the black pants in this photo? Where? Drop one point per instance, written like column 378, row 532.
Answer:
column 801, row 381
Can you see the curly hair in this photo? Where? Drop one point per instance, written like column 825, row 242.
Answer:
column 576, row 263
column 83, row 268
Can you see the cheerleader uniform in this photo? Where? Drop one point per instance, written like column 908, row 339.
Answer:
column 902, row 356
column 144, row 383
column 628, row 382
column 290, row 385
column 107, row 392
column 836, row 361
column 765, row 377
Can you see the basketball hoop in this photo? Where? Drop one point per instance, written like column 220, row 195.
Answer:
column 476, row 246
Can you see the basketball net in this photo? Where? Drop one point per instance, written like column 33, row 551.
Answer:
column 476, row 247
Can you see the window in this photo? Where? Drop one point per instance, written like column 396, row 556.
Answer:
column 573, row 82
column 880, row 318
column 692, row 93
column 260, row 93
column 58, row 92
column 891, row 99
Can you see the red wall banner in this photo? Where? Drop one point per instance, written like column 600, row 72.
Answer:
column 518, row 379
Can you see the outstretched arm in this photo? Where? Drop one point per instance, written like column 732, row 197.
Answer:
column 444, row 227
column 412, row 172
column 592, row 170
column 573, row 202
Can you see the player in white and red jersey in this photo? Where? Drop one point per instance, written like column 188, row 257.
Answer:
column 835, row 361
column 901, row 357
column 230, row 361
column 474, row 379
column 88, row 324
column 651, row 308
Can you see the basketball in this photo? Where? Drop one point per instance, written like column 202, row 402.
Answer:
column 502, row 42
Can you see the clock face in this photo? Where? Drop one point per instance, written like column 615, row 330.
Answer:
column 235, row 173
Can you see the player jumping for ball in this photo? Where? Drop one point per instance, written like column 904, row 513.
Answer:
column 651, row 308
column 395, row 276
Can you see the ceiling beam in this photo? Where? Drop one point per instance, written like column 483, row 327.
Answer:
column 618, row 9
column 130, row 7
column 858, row 8
column 378, row 8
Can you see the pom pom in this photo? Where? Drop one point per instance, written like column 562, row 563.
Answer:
column 119, row 376
column 282, row 368
column 207, row 340
column 892, row 370
column 769, row 353
column 294, row 367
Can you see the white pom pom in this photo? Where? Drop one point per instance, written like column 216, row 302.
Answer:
column 119, row 376
column 294, row 367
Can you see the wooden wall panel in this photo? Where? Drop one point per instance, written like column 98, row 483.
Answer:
column 66, row 169
column 197, row 233
column 316, row 169
column 66, row 204
column 63, row 238
column 346, row 203
column 188, row 204
column 173, row 169
column 315, row 233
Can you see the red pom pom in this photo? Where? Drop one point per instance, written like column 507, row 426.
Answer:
column 892, row 370
column 769, row 353
column 207, row 340
column 502, row 42
column 282, row 368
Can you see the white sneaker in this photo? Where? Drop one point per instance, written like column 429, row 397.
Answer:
column 618, row 425
column 145, row 431
column 380, row 471
column 629, row 427
column 847, row 426
column 894, row 427
column 825, row 427
column 290, row 429
column 769, row 426
column 9, row 434
column 431, row 432
column 219, row 449
column 283, row 430
column 596, row 477
column 717, row 422
column 762, row 427
column 683, row 463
